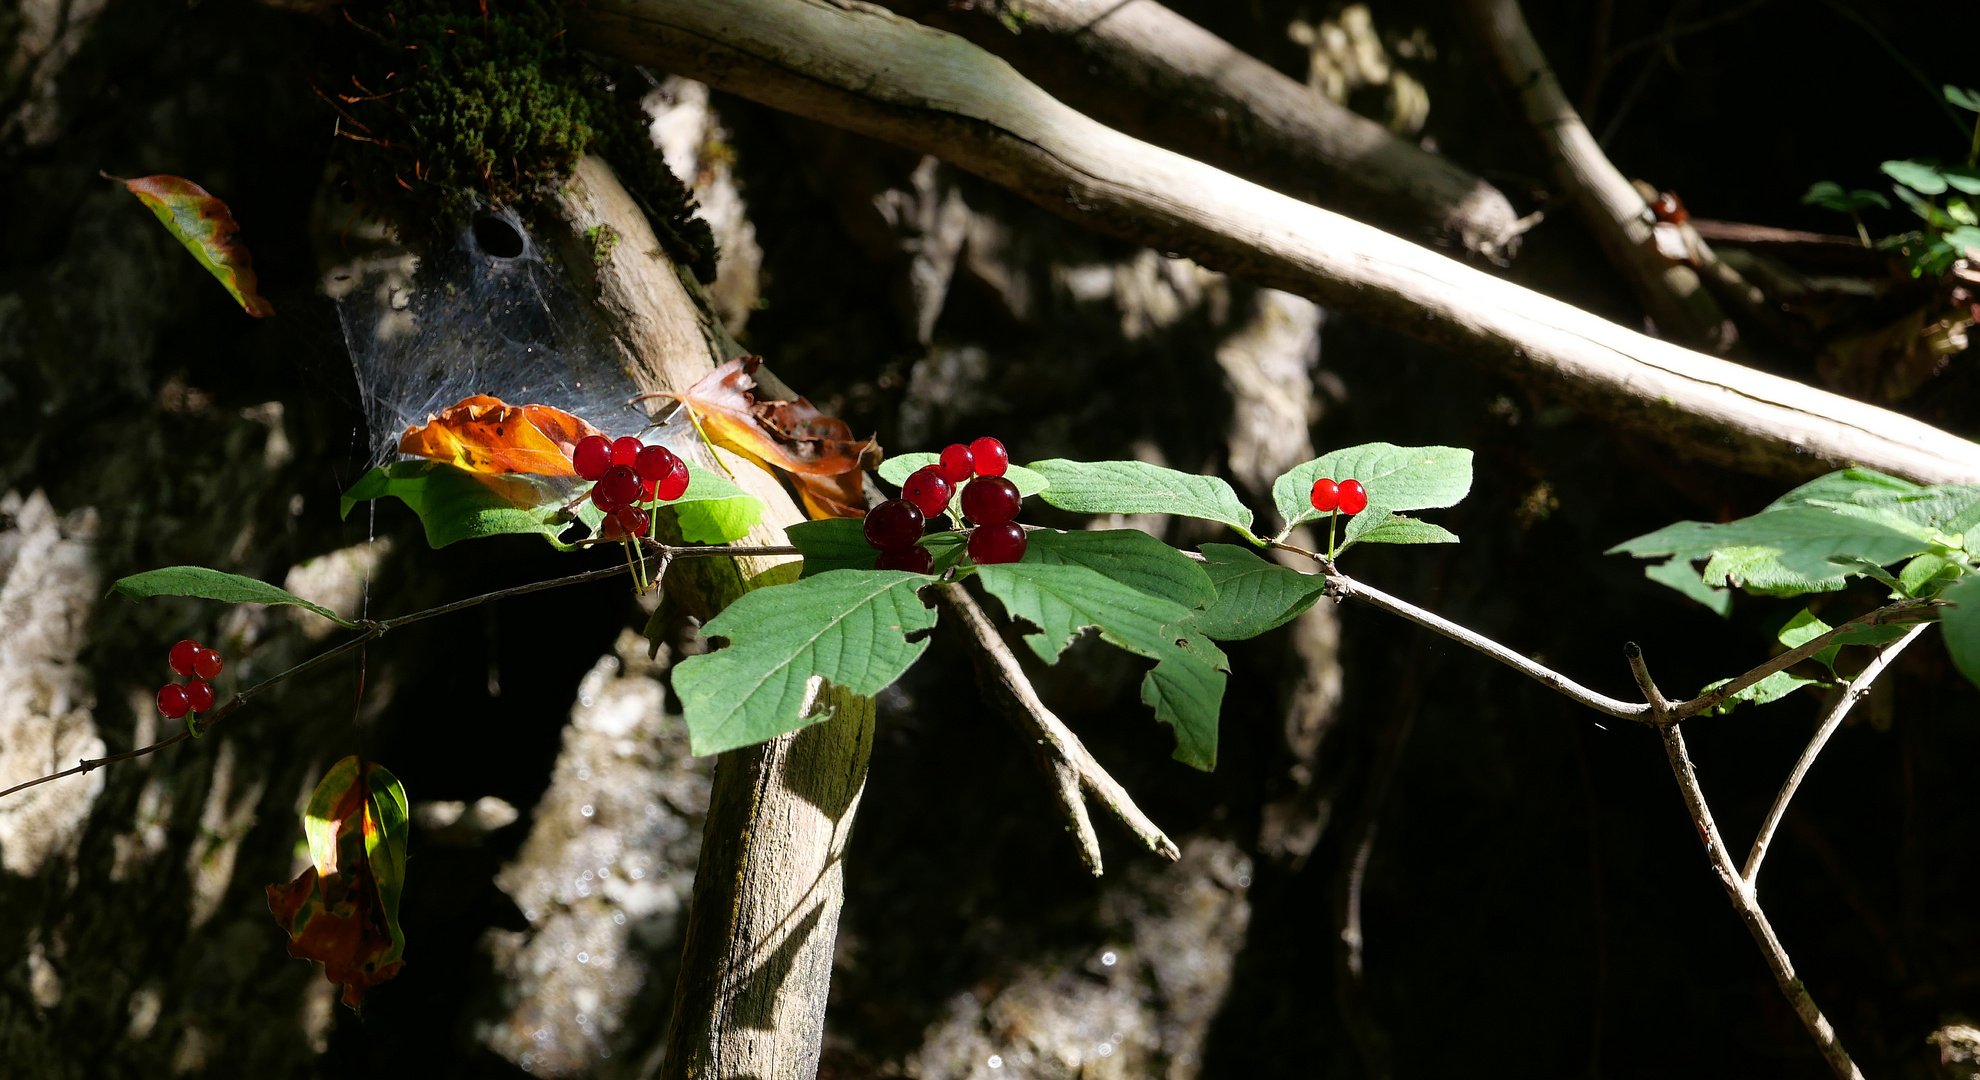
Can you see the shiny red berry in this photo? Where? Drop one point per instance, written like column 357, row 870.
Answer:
column 929, row 491
column 592, row 456
column 172, row 700
column 893, row 525
column 625, row 451
column 1326, row 495
column 915, row 560
column 654, row 463
column 991, row 544
column 1354, row 497
column 958, row 464
column 991, row 457
column 619, row 487
column 674, row 484
column 182, row 655
column 625, row 522
column 199, row 694
column 207, row 663
column 990, row 500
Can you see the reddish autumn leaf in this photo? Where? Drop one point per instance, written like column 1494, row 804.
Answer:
column 818, row 451
column 205, row 225
column 483, row 434
column 344, row 909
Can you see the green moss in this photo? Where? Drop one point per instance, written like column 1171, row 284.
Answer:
column 446, row 105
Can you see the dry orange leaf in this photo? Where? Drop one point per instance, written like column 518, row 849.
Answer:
column 818, row 451
column 484, row 434
column 344, row 909
column 207, row 228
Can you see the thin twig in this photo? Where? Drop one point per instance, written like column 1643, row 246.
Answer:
column 1900, row 612
column 1857, row 689
column 1060, row 752
column 1748, row 906
column 373, row 628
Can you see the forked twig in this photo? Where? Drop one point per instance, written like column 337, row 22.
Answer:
column 1064, row 758
column 1857, row 689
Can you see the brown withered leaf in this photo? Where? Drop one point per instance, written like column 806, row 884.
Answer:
column 344, row 909
column 819, row 452
column 487, row 435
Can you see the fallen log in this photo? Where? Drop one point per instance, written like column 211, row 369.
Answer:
column 868, row 70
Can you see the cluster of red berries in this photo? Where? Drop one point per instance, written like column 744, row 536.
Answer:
column 989, row 502
column 1348, row 496
column 625, row 473
column 189, row 657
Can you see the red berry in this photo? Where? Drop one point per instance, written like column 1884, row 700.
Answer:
column 199, row 694
column 958, row 464
column 207, row 663
column 629, row 521
column 620, row 487
column 654, row 463
column 646, row 490
column 1354, row 497
column 625, row 451
column 997, row 544
column 991, row 457
column 990, row 500
column 893, row 525
column 182, row 655
column 592, row 456
column 1326, row 495
column 172, row 700
column 674, row 484
column 915, row 560
column 928, row 490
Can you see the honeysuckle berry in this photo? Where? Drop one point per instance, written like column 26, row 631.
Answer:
column 624, row 523
column 625, row 451
column 1326, row 495
column 182, row 655
column 207, row 663
column 592, row 456
column 619, row 487
column 957, row 464
column 915, row 560
column 929, row 491
column 199, row 694
column 990, row 500
column 1354, row 497
column 893, row 525
column 992, row 544
column 991, row 459
column 172, row 701
column 654, row 463
column 674, row 484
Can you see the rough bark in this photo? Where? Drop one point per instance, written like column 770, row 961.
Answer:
column 868, row 70
column 757, row 960
column 1142, row 68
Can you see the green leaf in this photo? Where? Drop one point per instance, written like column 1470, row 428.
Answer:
column 1376, row 525
column 1924, row 512
column 1927, row 574
column 1253, row 595
column 1136, row 487
column 1790, row 549
column 1129, row 556
column 1772, row 688
column 832, row 544
column 214, row 585
column 1965, row 98
column 1679, row 574
column 1830, row 196
column 1805, row 627
column 713, row 510
column 1397, row 478
column 207, row 228
column 1922, row 177
column 895, row 470
column 1186, row 687
column 1963, row 178
column 454, row 504
column 1962, row 626
column 848, row 627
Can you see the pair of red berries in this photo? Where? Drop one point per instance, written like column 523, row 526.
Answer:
column 626, row 472
column 989, row 501
column 1348, row 496
column 189, row 657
